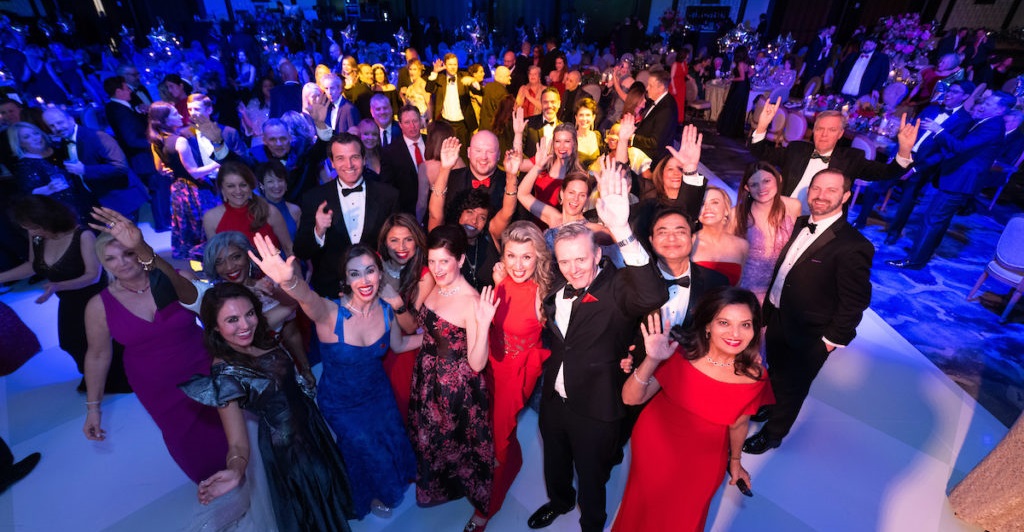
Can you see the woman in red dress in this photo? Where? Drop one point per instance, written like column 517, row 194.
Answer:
column 680, row 70
column 715, row 246
column 243, row 210
column 522, row 279
column 697, row 424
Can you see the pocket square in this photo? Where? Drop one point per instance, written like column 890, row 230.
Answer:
column 589, row 298
column 816, row 261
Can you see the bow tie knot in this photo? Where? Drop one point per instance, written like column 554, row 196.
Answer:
column 866, row 55
column 485, row 182
column 346, row 191
column 812, row 227
column 683, row 281
column 551, row 123
column 571, row 292
column 824, row 158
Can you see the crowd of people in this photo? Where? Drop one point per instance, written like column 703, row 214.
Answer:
column 448, row 239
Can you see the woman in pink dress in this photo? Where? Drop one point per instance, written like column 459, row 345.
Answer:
column 765, row 218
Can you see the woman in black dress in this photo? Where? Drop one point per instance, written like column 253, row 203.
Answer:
column 734, row 111
column 39, row 169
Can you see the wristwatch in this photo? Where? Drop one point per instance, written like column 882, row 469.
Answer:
column 626, row 241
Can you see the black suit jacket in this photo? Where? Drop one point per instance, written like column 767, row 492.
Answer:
column 534, row 132
column 970, row 157
column 381, row 202
column 494, row 92
column 657, row 129
column 603, row 324
column 827, row 290
column 439, row 88
column 107, row 172
column 130, row 131
column 792, row 160
column 398, row 169
column 284, row 98
column 875, row 75
column 395, row 133
column 461, row 179
column 930, row 153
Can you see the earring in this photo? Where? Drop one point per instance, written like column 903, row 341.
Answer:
column 707, row 335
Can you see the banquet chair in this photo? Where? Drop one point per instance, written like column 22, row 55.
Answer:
column 780, row 92
column 893, row 94
column 796, row 128
column 702, row 106
column 775, row 131
column 1004, row 180
column 865, row 144
column 593, row 90
column 812, row 86
column 1007, row 266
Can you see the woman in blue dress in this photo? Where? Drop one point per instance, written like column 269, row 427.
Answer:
column 355, row 394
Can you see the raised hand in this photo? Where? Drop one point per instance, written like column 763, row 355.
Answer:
column 324, row 219
column 907, row 135
column 450, row 152
column 688, row 153
column 613, row 205
column 486, row 307
column 119, row 227
column 498, row 274
column 318, row 108
column 389, row 294
column 438, row 65
column 767, row 115
column 656, row 340
column 627, row 126
column 280, row 271
column 543, row 151
column 513, row 160
column 218, row 484
column 518, row 121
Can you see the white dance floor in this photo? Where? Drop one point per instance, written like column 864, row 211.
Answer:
column 882, row 438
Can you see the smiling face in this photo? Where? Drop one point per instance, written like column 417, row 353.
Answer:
column 827, row 132
column 473, row 221
column 31, row 140
column 763, row 187
column 347, row 161
column 380, row 109
column 483, row 154
column 401, row 245
column 121, row 262
column 715, row 209
column 232, row 265
column 671, row 238
column 59, row 123
column 235, row 190
column 444, row 266
column 577, row 260
column 731, row 331
column 563, row 145
column 274, row 187
column 584, row 118
column 672, row 176
column 549, row 105
column 368, row 134
column 520, row 260
column 574, row 197
column 826, row 196
column 236, row 322
column 363, row 277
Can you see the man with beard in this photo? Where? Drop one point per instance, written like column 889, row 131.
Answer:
column 816, row 298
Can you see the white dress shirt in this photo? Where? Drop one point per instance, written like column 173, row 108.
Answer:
column 674, row 310
column 852, row 85
column 939, row 119
column 353, row 212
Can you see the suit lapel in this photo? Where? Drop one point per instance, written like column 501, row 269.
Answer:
column 371, row 212
column 801, row 222
column 820, row 242
column 549, row 312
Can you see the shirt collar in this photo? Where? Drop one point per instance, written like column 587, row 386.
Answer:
column 825, row 223
column 122, row 102
column 342, row 185
column 671, row 276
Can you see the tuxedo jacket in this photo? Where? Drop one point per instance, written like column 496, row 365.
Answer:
column 129, row 129
column 107, row 172
column 875, row 75
column 284, row 98
column 381, row 202
column 827, row 290
column 137, row 94
column 968, row 158
column 792, row 161
column 347, row 117
column 461, row 179
column 439, row 88
column 395, row 133
column 398, row 169
column 930, row 153
column 603, row 324
column 657, row 129
column 814, row 65
column 494, row 92
column 534, row 132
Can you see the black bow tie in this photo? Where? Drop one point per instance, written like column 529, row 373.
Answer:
column 552, row 123
column 812, row 227
column 824, row 158
column 865, row 56
column 451, row 79
column 346, row 191
column 683, row 281
column 571, row 292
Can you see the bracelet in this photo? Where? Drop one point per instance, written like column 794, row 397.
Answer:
column 295, row 283
column 238, row 457
column 645, row 383
column 513, row 193
column 693, row 173
column 441, row 193
column 736, row 459
column 87, row 403
column 147, row 265
column 626, row 241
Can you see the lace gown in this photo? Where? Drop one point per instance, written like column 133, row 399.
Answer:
column 356, row 400
column 757, row 272
column 308, row 483
column 449, row 419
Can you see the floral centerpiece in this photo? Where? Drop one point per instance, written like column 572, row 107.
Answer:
column 906, row 39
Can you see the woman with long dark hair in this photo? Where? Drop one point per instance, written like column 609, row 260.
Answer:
column 765, row 218
column 711, row 381
column 734, row 110
column 244, row 211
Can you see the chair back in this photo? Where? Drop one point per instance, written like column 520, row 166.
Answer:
column 594, row 91
column 778, row 125
column 691, row 89
column 812, row 86
column 1010, row 249
column 779, row 92
column 863, row 143
column 893, row 94
column 1010, row 86
column 796, row 127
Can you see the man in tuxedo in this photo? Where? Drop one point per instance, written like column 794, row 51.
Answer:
column 591, row 319
column 523, row 62
column 302, row 161
column 361, row 90
column 287, row 96
column 800, row 161
column 494, row 93
column 212, row 142
column 961, row 173
column 383, row 116
column 817, row 56
column 544, row 124
column 865, row 73
column 926, row 154
column 657, row 130
column 573, row 93
column 348, row 210
column 400, row 162
column 130, row 129
column 140, row 98
column 816, row 298
column 480, row 174
column 551, row 52
column 341, row 113
column 99, row 161
column 452, row 102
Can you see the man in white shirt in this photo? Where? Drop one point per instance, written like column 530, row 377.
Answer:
column 401, row 160
column 383, row 115
column 865, row 73
column 816, row 298
column 451, row 97
column 341, row 113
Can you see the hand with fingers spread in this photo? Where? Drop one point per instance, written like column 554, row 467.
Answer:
column 907, row 136
column 613, row 205
column 268, row 258
column 324, row 219
column 688, row 153
column 543, row 151
column 627, row 127
column 318, row 109
column 450, row 152
column 764, row 121
column 518, row 121
column 122, row 229
column 657, row 342
column 513, row 160
column 438, row 65
column 486, row 307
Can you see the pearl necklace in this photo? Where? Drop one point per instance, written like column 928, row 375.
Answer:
column 715, row 363
column 447, row 292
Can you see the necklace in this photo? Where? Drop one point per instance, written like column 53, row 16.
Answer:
column 447, row 292
column 394, row 274
column 714, row 363
column 357, row 311
column 143, row 290
column 473, row 258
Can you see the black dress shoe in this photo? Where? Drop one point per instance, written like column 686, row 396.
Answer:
column 15, row 472
column 891, row 239
column 762, row 414
column 905, row 264
column 759, row 443
column 544, row 516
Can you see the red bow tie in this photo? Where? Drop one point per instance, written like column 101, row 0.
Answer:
column 485, row 182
